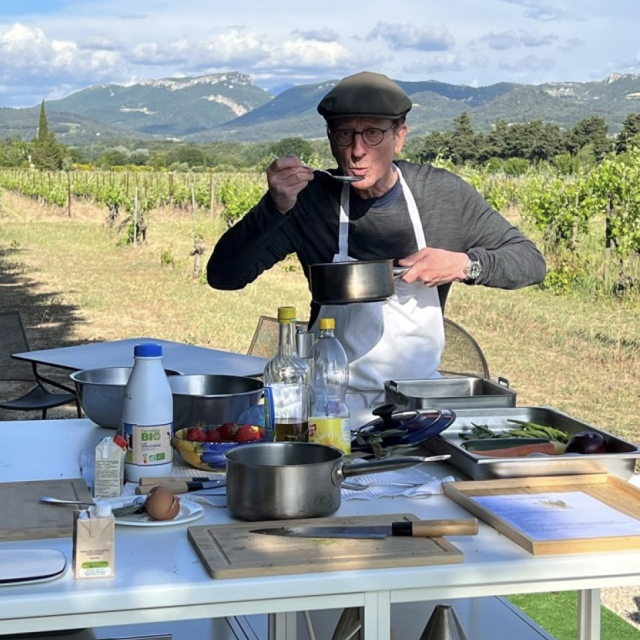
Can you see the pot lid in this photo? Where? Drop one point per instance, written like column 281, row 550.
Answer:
column 400, row 426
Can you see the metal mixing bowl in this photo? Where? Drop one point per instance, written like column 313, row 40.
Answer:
column 211, row 399
column 101, row 393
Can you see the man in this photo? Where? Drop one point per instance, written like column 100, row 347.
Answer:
column 424, row 218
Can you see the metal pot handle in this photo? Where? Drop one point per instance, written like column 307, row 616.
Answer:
column 341, row 471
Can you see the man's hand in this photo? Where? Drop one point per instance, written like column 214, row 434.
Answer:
column 287, row 177
column 435, row 266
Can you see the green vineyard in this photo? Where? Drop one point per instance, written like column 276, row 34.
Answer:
column 588, row 223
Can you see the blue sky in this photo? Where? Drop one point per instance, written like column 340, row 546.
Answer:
column 51, row 48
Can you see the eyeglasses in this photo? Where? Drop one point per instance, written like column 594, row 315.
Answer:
column 372, row 136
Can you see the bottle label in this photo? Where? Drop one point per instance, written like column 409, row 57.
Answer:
column 332, row 431
column 148, row 445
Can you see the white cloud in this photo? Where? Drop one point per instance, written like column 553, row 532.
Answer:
column 528, row 63
column 444, row 64
column 322, row 35
column 408, row 36
column 27, row 48
column 300, row 53
column 520, row 38
column 539, row 10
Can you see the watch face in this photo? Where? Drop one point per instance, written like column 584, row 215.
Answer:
column 473, row 270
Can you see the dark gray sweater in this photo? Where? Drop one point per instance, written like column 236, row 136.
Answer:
column 454, row 217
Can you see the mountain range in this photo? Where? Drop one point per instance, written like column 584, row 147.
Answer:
column 228, row 106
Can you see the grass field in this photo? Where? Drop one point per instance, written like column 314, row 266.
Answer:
column 557, row 613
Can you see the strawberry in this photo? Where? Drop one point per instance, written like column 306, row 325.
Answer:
column 213, row 435
column 196, row 435
column 248, row 433
column 227, row 431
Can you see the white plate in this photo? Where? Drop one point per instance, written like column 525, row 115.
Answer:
column 21, row 566
column 189, row 511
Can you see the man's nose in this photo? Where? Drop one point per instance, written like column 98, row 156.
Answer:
column 358, row 145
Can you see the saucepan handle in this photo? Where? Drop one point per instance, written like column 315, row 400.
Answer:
column 341, row 471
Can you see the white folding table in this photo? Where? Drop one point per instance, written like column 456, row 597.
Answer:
column 185, row 358
column 159, row 577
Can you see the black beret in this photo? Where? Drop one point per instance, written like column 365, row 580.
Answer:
column 365, row 95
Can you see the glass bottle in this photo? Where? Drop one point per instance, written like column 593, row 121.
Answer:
column 286, row 392
column 147, row 416
column 329, row 420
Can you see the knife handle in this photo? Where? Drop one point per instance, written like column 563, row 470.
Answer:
column 176, row 487
column 435, row 528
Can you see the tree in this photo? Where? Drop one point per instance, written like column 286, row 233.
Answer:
column 435, row 144
column 535, row 140
column 188, row 154
column 593, row 131
column 47, row 153
column 464, row 141
column 630, row 128
column 293, row 146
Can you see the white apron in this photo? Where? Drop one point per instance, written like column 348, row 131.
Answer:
column 401, row 338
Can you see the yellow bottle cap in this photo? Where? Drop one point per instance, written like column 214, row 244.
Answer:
column 327, row 323
column 286, row 314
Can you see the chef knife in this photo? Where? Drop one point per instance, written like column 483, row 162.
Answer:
column 171, row 479
column 415, row 528
column 182, row 487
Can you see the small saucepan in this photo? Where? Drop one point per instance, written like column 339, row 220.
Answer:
column 355, row 281
column 285, row 480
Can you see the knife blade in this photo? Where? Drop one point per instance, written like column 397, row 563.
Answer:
column 181, row 487
column 415, row 528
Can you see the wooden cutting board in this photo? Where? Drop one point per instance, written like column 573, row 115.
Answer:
column 231, row 551
column 24, row 517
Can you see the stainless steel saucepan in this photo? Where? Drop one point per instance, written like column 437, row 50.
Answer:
column 285, row 480
column 356, row 281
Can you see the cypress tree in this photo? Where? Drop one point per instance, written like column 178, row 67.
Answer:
column 47, row 154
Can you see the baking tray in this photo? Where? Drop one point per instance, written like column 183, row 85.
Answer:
column 620, row 460
column 547, row 524
column 449, row 393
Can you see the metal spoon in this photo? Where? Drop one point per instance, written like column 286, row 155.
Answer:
column 331, row 175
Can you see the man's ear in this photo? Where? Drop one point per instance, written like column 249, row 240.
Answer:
column 401, row 136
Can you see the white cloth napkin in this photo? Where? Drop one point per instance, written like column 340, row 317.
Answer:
column 412, row 482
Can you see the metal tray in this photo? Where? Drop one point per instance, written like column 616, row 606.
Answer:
column 619, row 462
column 449, row 393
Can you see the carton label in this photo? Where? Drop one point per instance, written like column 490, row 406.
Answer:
column 109, row 469
column 93, row 546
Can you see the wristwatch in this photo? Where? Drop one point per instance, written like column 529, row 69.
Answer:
column 473, row 270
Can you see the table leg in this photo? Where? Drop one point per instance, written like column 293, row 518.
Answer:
column 282, row 626
column 589, row 614
column 377, row 616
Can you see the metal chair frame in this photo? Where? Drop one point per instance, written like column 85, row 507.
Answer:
column 264, row 342
column 13, row 339
column 462, row 355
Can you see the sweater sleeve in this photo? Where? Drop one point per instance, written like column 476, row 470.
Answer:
column 251, row 246
column 509, row 259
